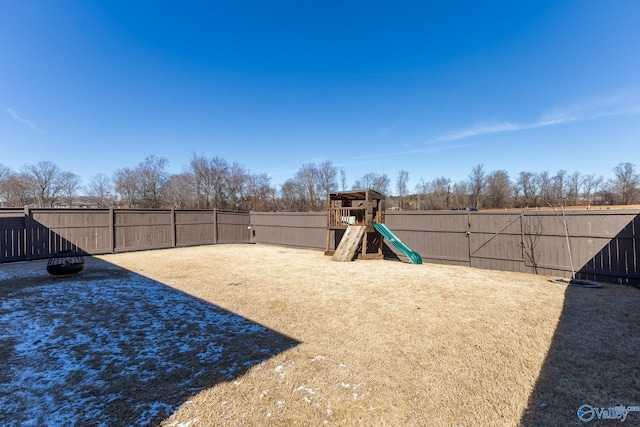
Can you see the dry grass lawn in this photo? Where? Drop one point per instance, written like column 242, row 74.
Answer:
column 382, row 343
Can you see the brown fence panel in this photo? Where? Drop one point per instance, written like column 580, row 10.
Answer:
column 495, row 241
column 12, row 236
column 297, row 229
column 438, row 236
column 597, row 245
column 604, row 246
column 551, row 254
column 195, row 227
column 137, row 229
column 52, row 230
column 232, row 227
column 41, row 232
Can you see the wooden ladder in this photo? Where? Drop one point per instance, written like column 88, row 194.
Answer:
column 349, row 243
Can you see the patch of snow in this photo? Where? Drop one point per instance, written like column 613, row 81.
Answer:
column 307, row 389
column 69, row 362
column 23, row 270
column 280, row 371
column 185, row 424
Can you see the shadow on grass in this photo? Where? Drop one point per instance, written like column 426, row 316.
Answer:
column 593, row 359
column 111, row 347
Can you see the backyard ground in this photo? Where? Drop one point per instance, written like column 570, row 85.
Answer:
column 248, row 335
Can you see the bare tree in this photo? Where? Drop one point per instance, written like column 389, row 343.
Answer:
column 45, row 177
column 373, row 181
column 127, row 186
column 218, row 172
column 498, row 192
column 201, row 181
column 401, row 186
column 574, row 183
column 262, row 196
column 545, row 188
column 100, row 191
column 308, row 180
column 590, row 186
column 152, row 177
column 477, row 184
column 5, row 174
column 293, row 196
column 558, row 188
column 308, row 190
column 343, row 179
column 236, row 184
column 422, row 189
column 328, row 180
column 607, row 193
column 526, row 189
column 178, row 191
column 439, row 194
column 70, row 184
column 16, row 189
column 626, row 183
column 460, row 195
column 533, row 229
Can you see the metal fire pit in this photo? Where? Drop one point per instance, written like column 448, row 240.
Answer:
column 64, row 263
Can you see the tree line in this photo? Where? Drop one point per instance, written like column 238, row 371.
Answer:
column 214, row 183
column 497, row 190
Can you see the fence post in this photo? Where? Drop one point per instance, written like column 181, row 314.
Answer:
column 215, row 226
column 112, row 230
column 468, row 234
column 522, row 239
column 174, row 227
column 27, row 250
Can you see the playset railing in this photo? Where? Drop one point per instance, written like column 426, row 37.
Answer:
column 344, row 217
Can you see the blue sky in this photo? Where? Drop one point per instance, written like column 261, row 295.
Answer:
column 433, row 88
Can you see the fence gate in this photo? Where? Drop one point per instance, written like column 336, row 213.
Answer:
column 495, row 242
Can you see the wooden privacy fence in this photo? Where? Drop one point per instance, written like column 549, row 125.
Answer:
column 596, row 245
column 39, row 233
column 297, row 229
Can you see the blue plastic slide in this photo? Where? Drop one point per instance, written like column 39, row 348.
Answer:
column 413, row 256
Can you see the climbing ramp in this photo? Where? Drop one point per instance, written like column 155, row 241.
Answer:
column 349, row 243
